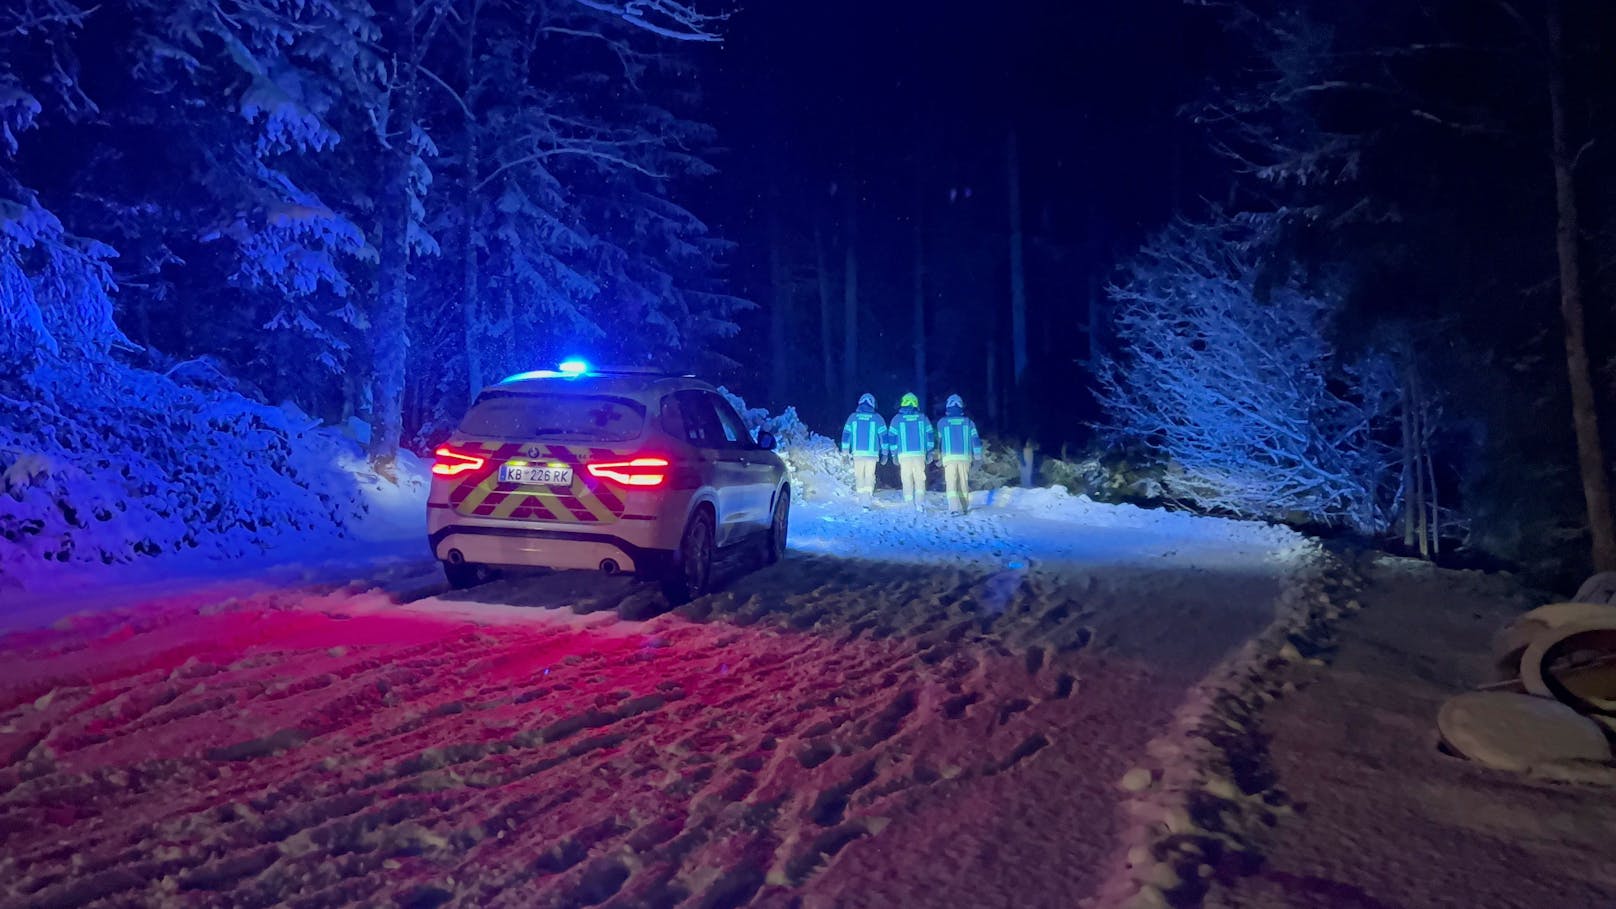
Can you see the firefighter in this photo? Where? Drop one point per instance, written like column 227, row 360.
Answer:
column 911, row 440
column 864, row 437
column 960, row 445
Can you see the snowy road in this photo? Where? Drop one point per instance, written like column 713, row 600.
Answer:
column 909, row 711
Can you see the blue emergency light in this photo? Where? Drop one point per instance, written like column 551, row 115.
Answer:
column 569, row 369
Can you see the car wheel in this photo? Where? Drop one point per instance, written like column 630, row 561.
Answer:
column 462, row 575
column 692, row 574
column 778, row 528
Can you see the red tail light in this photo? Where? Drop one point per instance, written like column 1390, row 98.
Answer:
column 451, row 462
column 646, row 471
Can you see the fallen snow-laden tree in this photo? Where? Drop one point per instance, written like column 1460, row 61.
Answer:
column 1225, row 368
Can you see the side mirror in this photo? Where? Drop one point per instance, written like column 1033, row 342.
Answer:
column 765, row 440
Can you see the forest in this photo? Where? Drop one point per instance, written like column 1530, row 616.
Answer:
column 1344, row 266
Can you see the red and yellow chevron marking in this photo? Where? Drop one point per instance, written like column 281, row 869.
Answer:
column 588, row 501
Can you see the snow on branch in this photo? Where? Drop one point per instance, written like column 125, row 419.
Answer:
column 21, row 19
column 666, row 18
column 1226, row 370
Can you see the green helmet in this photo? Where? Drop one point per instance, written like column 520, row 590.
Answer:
column 909, row 400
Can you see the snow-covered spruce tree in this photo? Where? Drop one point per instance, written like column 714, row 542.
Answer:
column 55, row 287
column 1225, row 368
column 100, row 459
column 248, row 111
column 553, row 203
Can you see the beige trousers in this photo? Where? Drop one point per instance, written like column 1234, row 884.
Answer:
column 864, row 476
column 957, row 477
column 913, row 470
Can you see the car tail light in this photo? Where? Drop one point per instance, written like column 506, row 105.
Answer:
column 451, row 462
column 646, row 471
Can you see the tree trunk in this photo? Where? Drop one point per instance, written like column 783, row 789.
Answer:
column 389, row 338
column 780, row 279
column 827, row 320
column 471, row 280
column 1018, row 278
column 850, row 337
column 1408, row 463
column 1436, row 511
column 389, row 326
column 993, row 380
column 920, row 311
column 1091, row 329
column 1584, row 413
column 1422, row 527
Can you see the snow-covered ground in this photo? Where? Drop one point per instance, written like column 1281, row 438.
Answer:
column 384, row 527
column 1387, row 819
column 910, row 710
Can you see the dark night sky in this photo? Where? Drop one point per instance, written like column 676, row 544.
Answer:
column 804, row 94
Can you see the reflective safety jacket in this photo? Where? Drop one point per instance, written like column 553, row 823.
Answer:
column 910, row 434
column 958, row 439
column 864, row 434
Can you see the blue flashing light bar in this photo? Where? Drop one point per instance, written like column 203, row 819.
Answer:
column 569, row 369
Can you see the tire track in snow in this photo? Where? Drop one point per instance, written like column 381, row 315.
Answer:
column 319, row 753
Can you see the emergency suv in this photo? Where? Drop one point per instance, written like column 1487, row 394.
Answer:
column 607, row 469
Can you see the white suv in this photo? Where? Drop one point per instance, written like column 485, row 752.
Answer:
column 616, row 470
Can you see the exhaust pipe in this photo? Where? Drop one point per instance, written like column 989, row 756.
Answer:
column 609, row 566
column 456, row 557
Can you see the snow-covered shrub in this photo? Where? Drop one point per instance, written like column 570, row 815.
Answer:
column 128, row 462
column 817, row 467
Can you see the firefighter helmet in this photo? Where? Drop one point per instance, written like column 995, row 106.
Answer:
column 909, row 400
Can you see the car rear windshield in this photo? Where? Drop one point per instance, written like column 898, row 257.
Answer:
column 590, row 418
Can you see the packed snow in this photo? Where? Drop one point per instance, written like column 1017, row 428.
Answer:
column 911, row 709
column 1385, row 816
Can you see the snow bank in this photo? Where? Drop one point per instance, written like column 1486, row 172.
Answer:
column 104, row 468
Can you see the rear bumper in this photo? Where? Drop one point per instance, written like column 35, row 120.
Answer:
column 532, row 547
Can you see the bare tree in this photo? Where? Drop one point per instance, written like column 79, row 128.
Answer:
column 1225, row 368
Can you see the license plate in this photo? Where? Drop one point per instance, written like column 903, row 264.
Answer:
column 536, row 476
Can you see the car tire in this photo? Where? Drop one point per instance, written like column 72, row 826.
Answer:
column 779, row 527
column 463, row 575
column 692, row 573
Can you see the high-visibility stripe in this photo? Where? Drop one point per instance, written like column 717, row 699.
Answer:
column 864, row 435
column 955, row 435
column 910, row 432
column 589, row 500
